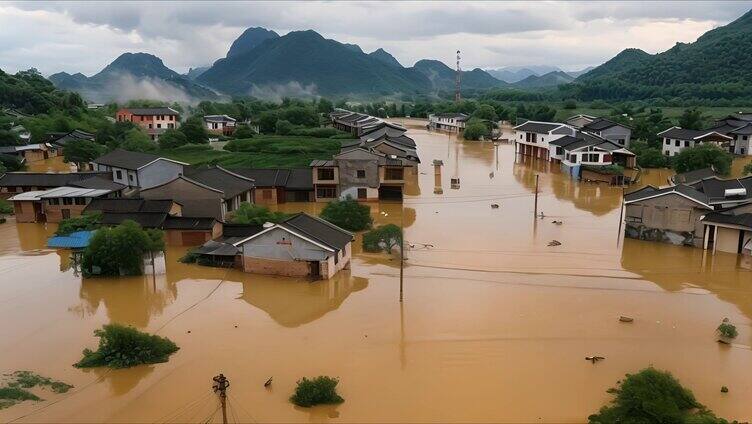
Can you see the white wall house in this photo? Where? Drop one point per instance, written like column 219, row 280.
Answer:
column 676, row 139
column 533, row 137
column 454, row 122
column 219, row 124
column 742, row 140
column 138, row 170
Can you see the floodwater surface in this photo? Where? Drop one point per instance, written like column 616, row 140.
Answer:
column 495, row 324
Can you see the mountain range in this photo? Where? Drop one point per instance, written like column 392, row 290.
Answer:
column 133, row 76
column 262, row 63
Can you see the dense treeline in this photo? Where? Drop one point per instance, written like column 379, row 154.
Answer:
column 29, row 92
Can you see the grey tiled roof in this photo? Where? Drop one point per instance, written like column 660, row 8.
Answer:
column 151, row 111
column 538, row 127
column 316, row 228
column 650, row 191
column 125, row 159
column 46, row 179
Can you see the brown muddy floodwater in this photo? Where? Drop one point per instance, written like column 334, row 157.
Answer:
column 494, row 327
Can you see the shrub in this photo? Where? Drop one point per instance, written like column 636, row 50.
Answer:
column 6, row 207
column 570, row 104
column 283, row 127
column 652, row 396
column 171, row 139
column 86, row 222
column 194, row 130
column 321, row 390
column 726, row 329
column 82, row 151
column 124, row 347
column 348, row 214
column 747, row 169
column 649, row 157
column 120, row 250
column 383, row 238
column 703, row 156
column 254, row 214
column 326, row 132
column 28, row 379
column 612, row 169
column 16, row 394
column 137, row 141
column 475, row 129
column 243, row 131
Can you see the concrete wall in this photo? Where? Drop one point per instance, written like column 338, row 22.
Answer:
column 276, row 267
column 743, row 145
column 670, row 218
column 54, row 213
column 281, row 245
column 158, row 173
column 24, row 211
column 267, row 196
column 727, row 240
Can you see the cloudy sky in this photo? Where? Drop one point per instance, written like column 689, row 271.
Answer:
column 86, row 36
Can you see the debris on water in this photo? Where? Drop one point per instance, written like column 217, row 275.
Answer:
column 541, row 216
column 625, row 319
column 491, row 175
column 236, row 326
column 557, row 222
column 189, row 331
column 494, row 206
column 594, row 359
column 268, row 382
column 554, row 243
column 724, row 389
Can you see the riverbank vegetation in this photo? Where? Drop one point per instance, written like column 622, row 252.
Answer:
column 383, row 238
column 321, row 390
column 120, row 250
column 15, row 387
column 653, row 396
column 124, row 347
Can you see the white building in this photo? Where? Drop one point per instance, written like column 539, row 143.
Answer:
column 533, row 137
column 676, row 139
column 742, row 140
column 219, row 124
column 454, row 122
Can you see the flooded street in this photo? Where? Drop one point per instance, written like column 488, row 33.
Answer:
column 494, row 327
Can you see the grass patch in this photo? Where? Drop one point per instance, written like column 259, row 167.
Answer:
column 321, row 390
column 86, row 222
column 124, row 347
column 262, row 151
column 18, row 382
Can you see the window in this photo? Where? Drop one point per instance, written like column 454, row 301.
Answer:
column 686, row 143
column 266, row 194
column 559, row 150
column 79, row 200
column 229, row 205
column 620, row 141
column 393, row 173
column 159, row 125
column 170, row 125
column 13, row 189
column 151, row 126
column 326, row 174
column 53, row 201
column 677, row 143
column 130, row 177
column 326, row 192
column 666, row 153
column 362, row 193
column 668, row 142
column 744, row 138
column 360, row 173
column 119, row 174
column 67, row 200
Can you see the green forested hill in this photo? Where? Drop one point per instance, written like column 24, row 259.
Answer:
column 442, row 77
column 716, row 66
column 306, row 61
column 29, row 92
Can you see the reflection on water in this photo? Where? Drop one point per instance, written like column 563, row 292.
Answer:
column 494, row 326
column 294, row 302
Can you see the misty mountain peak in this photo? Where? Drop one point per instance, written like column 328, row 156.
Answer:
column 249, row 39
column 385, row 57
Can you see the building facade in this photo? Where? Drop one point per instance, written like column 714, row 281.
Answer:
column 153, row 120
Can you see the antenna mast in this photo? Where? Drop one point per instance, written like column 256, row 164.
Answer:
column 458, row 80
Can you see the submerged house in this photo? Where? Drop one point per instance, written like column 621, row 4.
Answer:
column 12, row 183
column 533, row 138
column 60, row 203
column 299, row 246
column 729, row 231
column 352, row 122
column 452, row 122
column 31, row 152
column 676, row 139
column 587, row 156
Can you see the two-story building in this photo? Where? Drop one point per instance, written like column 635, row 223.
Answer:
column 138, row 169
column 153, row 120
column 742, row 142
column 220, row 124
column 452, row 122
column 533, row 138
column 617, row 133
column 676, row 139
column 352, row 122
column 589, row 149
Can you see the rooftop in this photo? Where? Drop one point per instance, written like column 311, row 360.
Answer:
column 151, row 111
column 125, row 159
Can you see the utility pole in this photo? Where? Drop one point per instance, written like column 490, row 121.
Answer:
column 621, row 216
column 458, row 81
column 221, row 383
column 536, row 195
column 402, row 248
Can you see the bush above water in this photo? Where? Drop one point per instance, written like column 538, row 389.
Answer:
column 348, row 214
column 321, row 390
column 124, row 347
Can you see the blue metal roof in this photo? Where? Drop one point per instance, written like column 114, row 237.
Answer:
column 77, row 240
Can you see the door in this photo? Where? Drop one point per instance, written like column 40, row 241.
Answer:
column 315, row 270
column 66, row 213
column 362, row 194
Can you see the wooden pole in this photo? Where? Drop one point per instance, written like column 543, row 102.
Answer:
column 221, row 383
column 536, row 195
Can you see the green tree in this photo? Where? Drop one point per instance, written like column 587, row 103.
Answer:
column 570, row 104
column 243, row 131
column 248, row 213
column 9, row 138
column 171, row 139
column 648, row 157
column 747, row 169
column 692, row 119
column 195, row 130
column 137, row 141
column 119, row 250
column 475, row 129
column 283, row 127
column 486, row 112
column 85, row 222
column 321, row 390
column 348, row 214
column 382, row 238
column 324, row 106
column 653, row 396
column 703, row 156
column 125, row 347
column 80, row 151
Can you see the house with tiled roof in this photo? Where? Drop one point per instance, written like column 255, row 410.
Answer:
column 63, row 202
column 220, row 124
column 138, row 169
column 452, row 121
column 533, row 138
column 279, row 185
column 153, row 120
column 676, row 139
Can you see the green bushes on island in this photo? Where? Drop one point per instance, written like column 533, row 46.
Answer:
column 85, row 222
column 703, row 156
column 653, row 396
column 347, row 214
column 18, row 382
column 382, row 238
column 120, row 250
column 727, row 330
column 124, row 347
column 321, row 390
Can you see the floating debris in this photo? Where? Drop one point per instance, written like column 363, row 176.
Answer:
column 557, row 222
column 625, row 319
column 494, row 206
column 541, row 215
column 724, row 389
column 268, row 382
column 594, row 359
column 491, row 175
column 554, row 243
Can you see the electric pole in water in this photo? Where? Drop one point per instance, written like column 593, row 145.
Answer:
column 221, row 383
column 458, row 81
column 402, row 247
column 536, row 195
